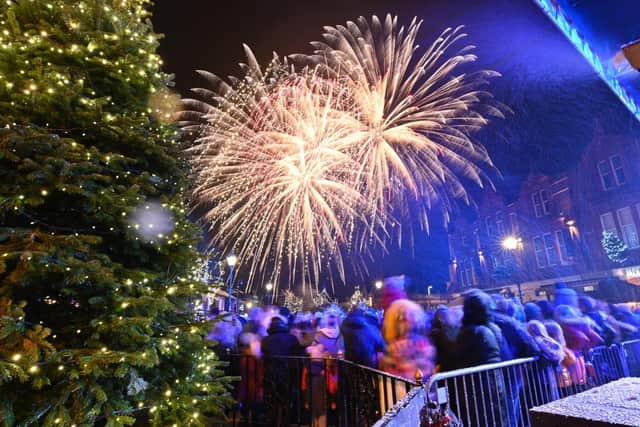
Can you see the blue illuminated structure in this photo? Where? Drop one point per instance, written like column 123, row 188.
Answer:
column 598, row 29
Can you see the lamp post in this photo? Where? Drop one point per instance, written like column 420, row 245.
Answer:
column 231, row 261
column 511, row 243
column 269, row 288
column 429, row 290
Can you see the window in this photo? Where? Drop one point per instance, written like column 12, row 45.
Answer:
column 499, row 223
column 562, row 246
column 541, row 203
column 489, row 224
column 550, row 249
column 546, row 206
column 608, row 223
column 628, row 227
column 612, row 172
column 537, row 204
column 541, row 259
column 618, row 170
column 606, row 178
column 514, row 222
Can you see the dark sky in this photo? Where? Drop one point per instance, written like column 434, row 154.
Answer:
column 552, row 91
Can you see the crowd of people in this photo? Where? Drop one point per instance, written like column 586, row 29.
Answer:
column 402, row 338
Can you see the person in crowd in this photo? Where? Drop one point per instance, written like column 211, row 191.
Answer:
column 226, row 328
column 578, row 331
column 479, row 342
column 443, row 334
column 550, row 349
column 408, row 348
column 565, row 296
column 589, row 308
column 392, row 290
column 280, row 342
column 517, row 342
column 532, row 311
column 546, row 307
column 623, row 314
column 572, row 366
column 250, row 388
column 363, row 340
column 280, row 375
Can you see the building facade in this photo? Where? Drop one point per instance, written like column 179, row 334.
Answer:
column 552, row 232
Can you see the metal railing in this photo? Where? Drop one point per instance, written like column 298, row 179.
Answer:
column 281, row 391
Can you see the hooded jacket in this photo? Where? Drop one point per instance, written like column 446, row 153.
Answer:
column 280, row 342
column 362, row 340
column 479, row 340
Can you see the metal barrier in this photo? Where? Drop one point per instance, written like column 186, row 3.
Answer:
column 631, row 350
column 283, row 391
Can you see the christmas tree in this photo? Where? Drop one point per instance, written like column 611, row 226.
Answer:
column 96, row 253
column 615, row 248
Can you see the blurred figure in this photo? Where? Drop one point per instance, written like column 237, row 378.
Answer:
column 546, row 308
column 572, row 367
column 550, row 349
column 363, row 341
column 393, row 289
column 444, row 331
column 517, row 342
column 578, row 332
column 226, row 328
column 588, row 307
column 408, row 349
column 532, row 312
column 479, row 340
column 565, row 296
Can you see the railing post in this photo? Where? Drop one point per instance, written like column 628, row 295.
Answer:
column 418, row 376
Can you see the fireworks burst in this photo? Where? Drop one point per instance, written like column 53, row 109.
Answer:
column 293, row 167
column 415, row 114
column 275, row 179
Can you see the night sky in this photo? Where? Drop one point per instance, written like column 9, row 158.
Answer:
column 555, row 97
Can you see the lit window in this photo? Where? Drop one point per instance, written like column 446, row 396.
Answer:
column 618, row 170
column 606, row 178
column 550, row 249
column 562, row 246
column 541, row 203
column 608, row 223
column 628, row 228
column 541, row 259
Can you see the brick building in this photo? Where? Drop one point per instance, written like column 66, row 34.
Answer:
column 552, row 231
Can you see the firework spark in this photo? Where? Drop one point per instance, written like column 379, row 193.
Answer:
column 273, row 172
column 415, row 113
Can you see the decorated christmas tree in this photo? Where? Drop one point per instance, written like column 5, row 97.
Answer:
column 615, row 248
column 96, row 254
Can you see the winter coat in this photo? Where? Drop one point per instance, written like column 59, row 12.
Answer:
column 517, row 342
column 405, row 356
column 362, row 340
column 280, row 342
column 480, row 340
column 578, row 332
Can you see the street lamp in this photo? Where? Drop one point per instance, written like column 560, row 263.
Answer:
column 511, row 243
column 231, row 261
column 269, row 288
column 429, row 290
column 378, row 284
